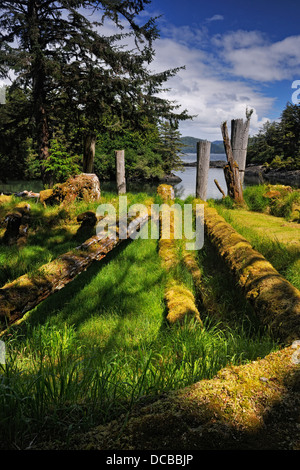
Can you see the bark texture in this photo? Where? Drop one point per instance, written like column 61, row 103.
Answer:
column 203, row 158
column 120, row 171
column 239, row 142
column 231, row 170
column 89, row 153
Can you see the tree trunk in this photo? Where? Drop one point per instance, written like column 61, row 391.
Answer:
column 89, row 153
column 239, row 142
column 43, row 145
column 38, row 73
column 231, row 170
column 203, row 158
column 275, row 301
column 120, row 171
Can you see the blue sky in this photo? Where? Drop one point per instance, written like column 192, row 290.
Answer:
column 237, row 54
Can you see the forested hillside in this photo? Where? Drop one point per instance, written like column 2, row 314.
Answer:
column 190, row 145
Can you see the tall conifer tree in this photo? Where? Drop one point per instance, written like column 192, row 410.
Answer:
column 79, row 75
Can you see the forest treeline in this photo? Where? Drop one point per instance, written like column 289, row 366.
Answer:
column 277, row 145
column 81, row 88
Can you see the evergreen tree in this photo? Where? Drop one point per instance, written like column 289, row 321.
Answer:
column 170, row 146
column 78, row 77
column 278, row 143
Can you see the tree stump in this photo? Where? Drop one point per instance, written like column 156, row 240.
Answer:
column 84, row 186
column 17, row 226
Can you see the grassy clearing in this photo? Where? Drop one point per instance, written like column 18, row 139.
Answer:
column 91, row 351
column 274, row 237
column 52, row 232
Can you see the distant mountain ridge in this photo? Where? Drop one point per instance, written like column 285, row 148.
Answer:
column 190, row 145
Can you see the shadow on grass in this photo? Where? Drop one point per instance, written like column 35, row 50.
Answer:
column 113, row 294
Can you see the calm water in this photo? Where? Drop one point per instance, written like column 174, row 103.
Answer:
column 183, row 189
column 188, row 185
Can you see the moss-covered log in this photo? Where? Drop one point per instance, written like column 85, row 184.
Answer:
column 26, row 292
column 180, row 301
column 252, row 406
column 275, row 300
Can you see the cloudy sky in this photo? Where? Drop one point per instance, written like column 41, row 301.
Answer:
column 237, row 54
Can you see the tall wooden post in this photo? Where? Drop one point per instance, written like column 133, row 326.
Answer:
column 231, row 170
column 239, row 142
column 203, row 158
column 120, row 171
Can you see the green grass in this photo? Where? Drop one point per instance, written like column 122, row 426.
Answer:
column 275, row 238
column 287, row 205
column 90, row 352
column 52, row 232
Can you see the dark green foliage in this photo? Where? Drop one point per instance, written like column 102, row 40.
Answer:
column 278, row 143
column 15, row 126
column 141, row 159
column 77, row 78
column 169, row 147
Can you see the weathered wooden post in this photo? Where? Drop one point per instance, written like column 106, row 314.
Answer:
column 231, row 170
column 120, row 171
column 239, row 141
column 203, row 158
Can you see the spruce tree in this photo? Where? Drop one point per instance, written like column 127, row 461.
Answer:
column 77, row 76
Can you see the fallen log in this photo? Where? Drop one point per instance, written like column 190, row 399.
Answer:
column 180, row 301
column 253, row 406
column 26, row 292
column 275, row 300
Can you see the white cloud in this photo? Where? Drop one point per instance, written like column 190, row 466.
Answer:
column 250, row 55
column 203, row 89
column 215, row 18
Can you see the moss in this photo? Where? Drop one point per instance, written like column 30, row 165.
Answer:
column 275, row 300
column 252, row 406
column 166, row 192
column 180, row 304
column 45, row 196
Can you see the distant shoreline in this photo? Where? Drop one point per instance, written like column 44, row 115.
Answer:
column 212, row 164
column 290, row 177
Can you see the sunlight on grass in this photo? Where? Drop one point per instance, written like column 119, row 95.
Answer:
column 276, row 239
column 91, row 351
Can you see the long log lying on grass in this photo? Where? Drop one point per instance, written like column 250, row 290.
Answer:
column 26, row 292
column 180, row 301
column 252, row 406
column 275, row 300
